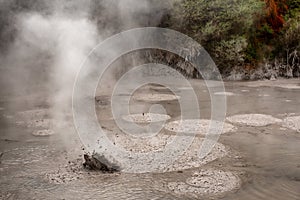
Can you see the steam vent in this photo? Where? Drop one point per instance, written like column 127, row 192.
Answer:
column 150, row 99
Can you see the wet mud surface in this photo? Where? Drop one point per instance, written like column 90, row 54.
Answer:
column 42, row 158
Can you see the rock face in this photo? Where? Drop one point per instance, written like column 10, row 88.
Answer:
column 98, row 162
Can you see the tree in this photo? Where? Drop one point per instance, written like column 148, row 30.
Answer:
column 275, row 10
column 220, row 26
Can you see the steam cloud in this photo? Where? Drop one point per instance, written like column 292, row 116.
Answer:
column 43, row 43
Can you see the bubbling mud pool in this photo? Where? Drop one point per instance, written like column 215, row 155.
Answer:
column 257, row 158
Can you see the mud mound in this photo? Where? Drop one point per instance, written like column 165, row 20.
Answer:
column 254, row 120
column 76, row 170
column 143, row 145
column 206, row 182
column 43, row 133
column 225, row 94
column 292, row 123
column 199, row 126
column 280, row 84
column 189, row 159
column 146, row 118
column 289, row 86
column 67, row 173
column 155, row 97
column 44, row 123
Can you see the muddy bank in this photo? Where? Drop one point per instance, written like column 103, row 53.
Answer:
column 264, row 71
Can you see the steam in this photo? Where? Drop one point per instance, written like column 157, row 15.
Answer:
column 43, row 44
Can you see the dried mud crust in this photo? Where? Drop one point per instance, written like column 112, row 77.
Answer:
column 43, row 133
column 206, row 182
column 164, row 89
column 225, row 94
column 257, row 120
column 292, row 122
column 77, row 170
column 198, row 126
column 67, row 173
column 155, row 97
column 142, row 144
column 189, row 159
column 146, row 118
column 279, row 84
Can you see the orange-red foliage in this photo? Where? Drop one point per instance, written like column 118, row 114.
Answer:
column 275, row 11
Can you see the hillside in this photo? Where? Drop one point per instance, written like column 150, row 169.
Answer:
column 249, row 39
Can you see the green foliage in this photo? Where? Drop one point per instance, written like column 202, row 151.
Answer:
column 287, row 44
column 241, row 33
column 221, row 26
column 293, row 9
column 214, row 19
column 266, row 30
column 232, row 51
column 289, row 41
